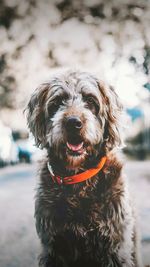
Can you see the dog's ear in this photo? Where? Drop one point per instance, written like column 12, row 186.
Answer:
column 36, row 115
column 112, row 110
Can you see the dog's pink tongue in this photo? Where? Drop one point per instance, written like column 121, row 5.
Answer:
column 75, row 147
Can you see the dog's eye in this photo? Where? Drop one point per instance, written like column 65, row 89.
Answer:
column 57, row 102
column 90, row 100
column 91, row 103
column 54, row 106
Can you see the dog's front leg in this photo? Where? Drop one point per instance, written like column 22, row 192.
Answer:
column 45, row 260
column 49, row 259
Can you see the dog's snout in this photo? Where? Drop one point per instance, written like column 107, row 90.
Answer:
column 73, row 123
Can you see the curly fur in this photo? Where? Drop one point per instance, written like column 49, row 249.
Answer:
column 90, row 223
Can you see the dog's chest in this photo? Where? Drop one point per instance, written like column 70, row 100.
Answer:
column 73, row 208
column 80, row 224
column 74, row 220
column 91, row 215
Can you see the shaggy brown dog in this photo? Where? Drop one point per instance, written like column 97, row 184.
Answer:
column 89, row 223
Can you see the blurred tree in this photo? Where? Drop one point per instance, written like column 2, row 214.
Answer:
column 37, row 36
column 7, row 82
column 7, row 14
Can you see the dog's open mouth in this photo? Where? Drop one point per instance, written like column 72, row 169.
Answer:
column 75, row 149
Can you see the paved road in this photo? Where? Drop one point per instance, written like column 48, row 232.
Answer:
column 19, row 245
column 18, row 240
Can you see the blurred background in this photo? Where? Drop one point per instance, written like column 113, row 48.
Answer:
column 110, row 38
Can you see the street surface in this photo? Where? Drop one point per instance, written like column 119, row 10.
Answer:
column 19, row 245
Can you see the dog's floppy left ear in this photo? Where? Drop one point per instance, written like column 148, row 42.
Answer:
column 36, row 115
column 112, row 110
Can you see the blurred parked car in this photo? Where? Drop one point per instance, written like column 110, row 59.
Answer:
column 8, row 148
column 17, row 146
column 28, row 152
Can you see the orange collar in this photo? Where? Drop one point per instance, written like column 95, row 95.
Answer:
column 79, row 177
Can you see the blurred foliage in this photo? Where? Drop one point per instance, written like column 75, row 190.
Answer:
column 37, row 36
column 7, row 85
column 7, row 14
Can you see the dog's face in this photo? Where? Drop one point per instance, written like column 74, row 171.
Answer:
column 75, row 116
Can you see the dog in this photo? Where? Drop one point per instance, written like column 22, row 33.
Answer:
column 84, row 216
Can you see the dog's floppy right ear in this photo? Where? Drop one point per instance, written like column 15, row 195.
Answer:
column 36, row 115
column 112, row 113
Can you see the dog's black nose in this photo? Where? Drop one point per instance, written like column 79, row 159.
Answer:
column 73, row 123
